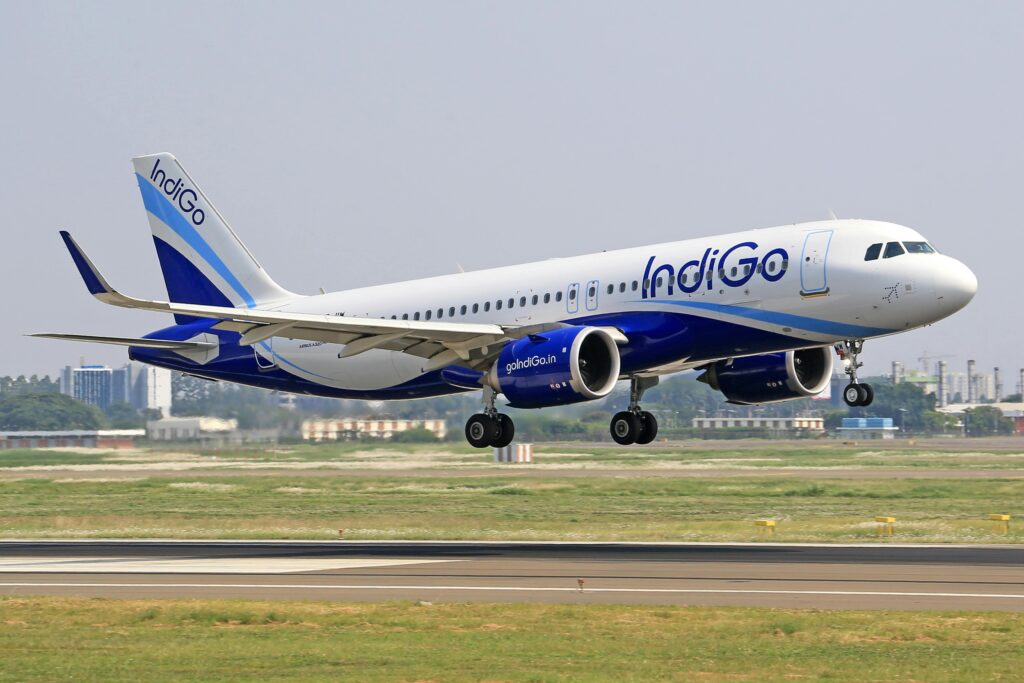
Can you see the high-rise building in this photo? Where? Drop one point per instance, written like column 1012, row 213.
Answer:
column 90, row 384
column 143, row 386
column 151, row 388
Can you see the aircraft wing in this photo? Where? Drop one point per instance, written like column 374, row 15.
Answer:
column 133, row 341
column 442, row 343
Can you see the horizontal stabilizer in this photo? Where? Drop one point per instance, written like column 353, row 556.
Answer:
column 168, row 344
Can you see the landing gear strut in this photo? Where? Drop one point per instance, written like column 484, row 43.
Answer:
column 634, row 425
column 489, row 428
column 855, row 393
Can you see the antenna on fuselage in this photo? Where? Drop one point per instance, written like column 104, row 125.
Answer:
column 832, row 215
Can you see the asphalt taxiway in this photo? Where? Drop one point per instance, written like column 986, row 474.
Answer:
column 877, row 576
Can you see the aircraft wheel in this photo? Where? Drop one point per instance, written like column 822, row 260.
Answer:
column 869, row 395
column 852, row 394
column 506, row 431
column 625, row 428
column 648, row 428
column 481, row 430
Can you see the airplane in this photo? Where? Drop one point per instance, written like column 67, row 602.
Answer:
column 759, row 311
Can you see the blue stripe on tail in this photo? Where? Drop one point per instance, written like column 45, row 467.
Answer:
column 158, row 205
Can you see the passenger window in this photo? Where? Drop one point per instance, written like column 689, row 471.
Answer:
column 918, row 248
column 427, row 316
column 416, row 315
column 771, row 266
column 405, row 316
column 873, row 251
column 683, row 278
column 893, row 249
column 462, row 309
column 634, row 285
column 760, row 268
column 511, row 303
column 522, row 301
column 611, row 289
column 547, row 297
column 592, row 291
column 534, row 300
column 476, row 308
column 487, row 306
column 497, row 305
column 734, row 271
column 440, row 313
column 451, row 311
column 558, row 296
column 572, row 294
column 647, row 284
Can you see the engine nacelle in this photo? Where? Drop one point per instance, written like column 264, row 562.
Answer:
column 562, row 366
column 772, row 377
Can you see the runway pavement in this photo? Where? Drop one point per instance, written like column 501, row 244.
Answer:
column 878, row 576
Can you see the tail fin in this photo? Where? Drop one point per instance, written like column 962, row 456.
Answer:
column 202, row 260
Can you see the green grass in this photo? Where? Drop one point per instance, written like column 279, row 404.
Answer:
column 504, row 507
column 47, row 639
column 41, row 458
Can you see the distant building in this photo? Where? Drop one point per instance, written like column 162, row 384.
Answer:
column 202, row 429
column 1014, row 411
column 90, row 384
column 772, row 424
column 142, row 386
column 71, row 438
column 348, row 428
column 868, row 427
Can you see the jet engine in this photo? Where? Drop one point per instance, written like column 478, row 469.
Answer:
column 560, row 366
column 771, row 377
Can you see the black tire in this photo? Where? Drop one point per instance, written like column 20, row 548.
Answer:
column 648, row 428
column 506, row 431
column 481, row 430
column 869, row 395
column 625, row 428
column 852, row 395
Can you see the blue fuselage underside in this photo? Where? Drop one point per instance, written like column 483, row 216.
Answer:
column 655, row 339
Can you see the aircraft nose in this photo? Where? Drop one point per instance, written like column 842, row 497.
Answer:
column 955, row 285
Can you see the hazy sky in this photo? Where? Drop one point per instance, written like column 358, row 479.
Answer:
column 359, row 143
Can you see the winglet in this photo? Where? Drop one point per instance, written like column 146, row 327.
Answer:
column 93, row 280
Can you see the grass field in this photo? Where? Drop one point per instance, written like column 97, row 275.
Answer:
column 47, row 639
column 496, row 507
column 707, row 491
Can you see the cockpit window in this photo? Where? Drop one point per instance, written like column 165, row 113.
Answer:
column 918, row 248
column 873, row 251
column 893, row 249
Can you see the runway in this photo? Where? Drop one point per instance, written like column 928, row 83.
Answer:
column 878, row 576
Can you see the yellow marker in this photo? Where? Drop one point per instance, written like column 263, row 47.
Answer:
column 766, row 526
column 886, row 525
column 1002, row 522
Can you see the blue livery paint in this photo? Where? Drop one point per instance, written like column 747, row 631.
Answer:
column 85, row 269
column 159, row 206
column 816, row 325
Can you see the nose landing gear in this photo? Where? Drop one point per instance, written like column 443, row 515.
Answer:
column 634, row 425
column 855, row 393
column 489, row 428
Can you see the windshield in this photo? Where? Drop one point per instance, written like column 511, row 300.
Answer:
column 918, row 248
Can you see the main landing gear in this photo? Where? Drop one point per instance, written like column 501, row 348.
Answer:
column 855, row 393
column 634, row 425
column 489, row 428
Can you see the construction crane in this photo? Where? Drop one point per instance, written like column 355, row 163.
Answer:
column 924, row 358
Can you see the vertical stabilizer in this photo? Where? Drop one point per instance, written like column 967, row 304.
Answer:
column 202, row 260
